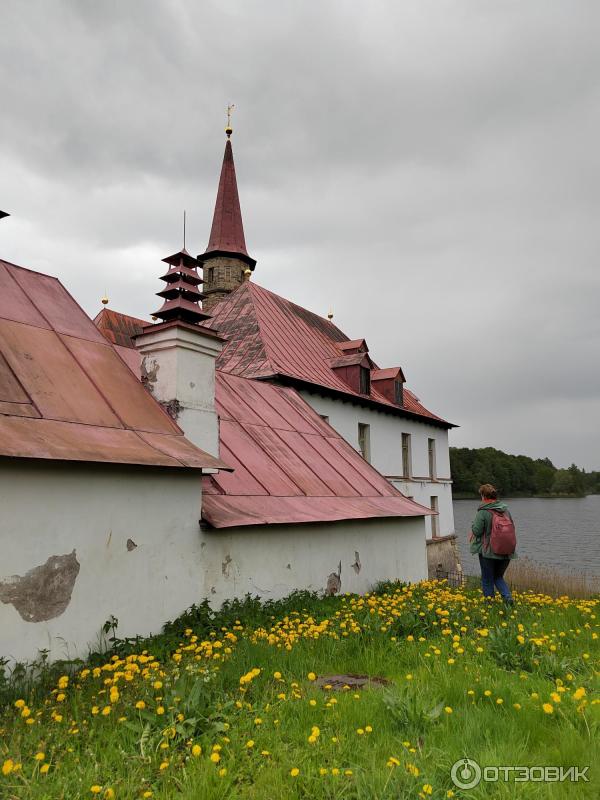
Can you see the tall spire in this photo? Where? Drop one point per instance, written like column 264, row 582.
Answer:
column 227, row 231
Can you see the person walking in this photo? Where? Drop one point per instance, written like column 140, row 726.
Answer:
column 493, row 539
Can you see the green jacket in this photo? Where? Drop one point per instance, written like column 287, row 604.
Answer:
column 482, row 527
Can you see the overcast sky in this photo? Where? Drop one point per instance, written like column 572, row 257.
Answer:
column 428, row 169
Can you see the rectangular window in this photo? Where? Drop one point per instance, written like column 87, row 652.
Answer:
column 365, row 381
column 399, row 392
column 406, row 458
column 435, row 520
column 210, row 274
column 364, row 440
column 431, row 455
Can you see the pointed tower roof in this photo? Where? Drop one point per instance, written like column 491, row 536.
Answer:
column 227, row 231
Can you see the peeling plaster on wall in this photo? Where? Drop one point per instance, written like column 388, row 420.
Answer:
column 357, row 565
column 172, row 407
column 334, row 581
column 149, row 372
column 44, row 592
column 225, row 565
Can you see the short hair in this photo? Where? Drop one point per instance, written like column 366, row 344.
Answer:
column 488, row 491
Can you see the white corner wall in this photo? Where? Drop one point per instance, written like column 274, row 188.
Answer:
column 273, row 561
column 386, row 451
column 51, row 510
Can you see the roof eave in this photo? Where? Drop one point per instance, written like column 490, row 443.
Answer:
column 229, row 254
column 356, row 398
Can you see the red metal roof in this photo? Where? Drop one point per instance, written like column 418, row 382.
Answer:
column 269, row 336
column 227, row 231
column 66, row 394
column 289, row 465
column 119, row 328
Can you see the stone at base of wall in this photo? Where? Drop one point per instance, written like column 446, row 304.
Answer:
column 443, row 557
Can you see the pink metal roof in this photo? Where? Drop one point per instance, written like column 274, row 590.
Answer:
column 65, row 393
column 268, row 335
column 289, row 465
column 119, row 328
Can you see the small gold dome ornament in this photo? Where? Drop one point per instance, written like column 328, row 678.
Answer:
column 330, row 314
column 105, row 300
column 247, row 273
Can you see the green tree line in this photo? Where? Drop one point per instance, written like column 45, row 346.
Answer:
column 517, row 475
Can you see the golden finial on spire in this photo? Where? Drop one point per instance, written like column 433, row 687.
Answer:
column 105, row 299
column 229, row 129
column 247, row 273
column 330, row 313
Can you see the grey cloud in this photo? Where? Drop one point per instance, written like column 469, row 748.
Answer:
column 429, row 169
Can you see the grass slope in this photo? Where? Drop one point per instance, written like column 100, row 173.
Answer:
column 226, row 706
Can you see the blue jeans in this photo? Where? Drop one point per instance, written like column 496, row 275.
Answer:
column 492, row 574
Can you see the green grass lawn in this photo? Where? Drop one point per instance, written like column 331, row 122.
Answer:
column 229, row 705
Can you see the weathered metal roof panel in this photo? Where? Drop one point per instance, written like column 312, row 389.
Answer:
column 289, row 464
column 229, row 512
column 66, row 394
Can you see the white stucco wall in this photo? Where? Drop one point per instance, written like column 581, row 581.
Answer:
column 274, row 560
column 386, row 451
column 49, row 510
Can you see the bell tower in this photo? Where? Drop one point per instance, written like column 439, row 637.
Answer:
column 225, row 263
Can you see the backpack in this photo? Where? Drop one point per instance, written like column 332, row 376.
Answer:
column 503, row 537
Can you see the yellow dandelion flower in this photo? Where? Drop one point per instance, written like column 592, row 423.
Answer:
column 8, row 766
column 294, row 772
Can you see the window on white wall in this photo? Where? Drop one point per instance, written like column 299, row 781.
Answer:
column 406, row 456
column 364, row 440
column 431, row 456
column 435, row 521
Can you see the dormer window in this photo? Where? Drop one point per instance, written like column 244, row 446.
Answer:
column 365, row 380
column 389, row 383
column 399, row 392
column 354, row 369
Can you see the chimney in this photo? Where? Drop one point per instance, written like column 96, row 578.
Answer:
column 179, row 354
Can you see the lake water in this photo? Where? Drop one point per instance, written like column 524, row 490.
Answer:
column 562, row 532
